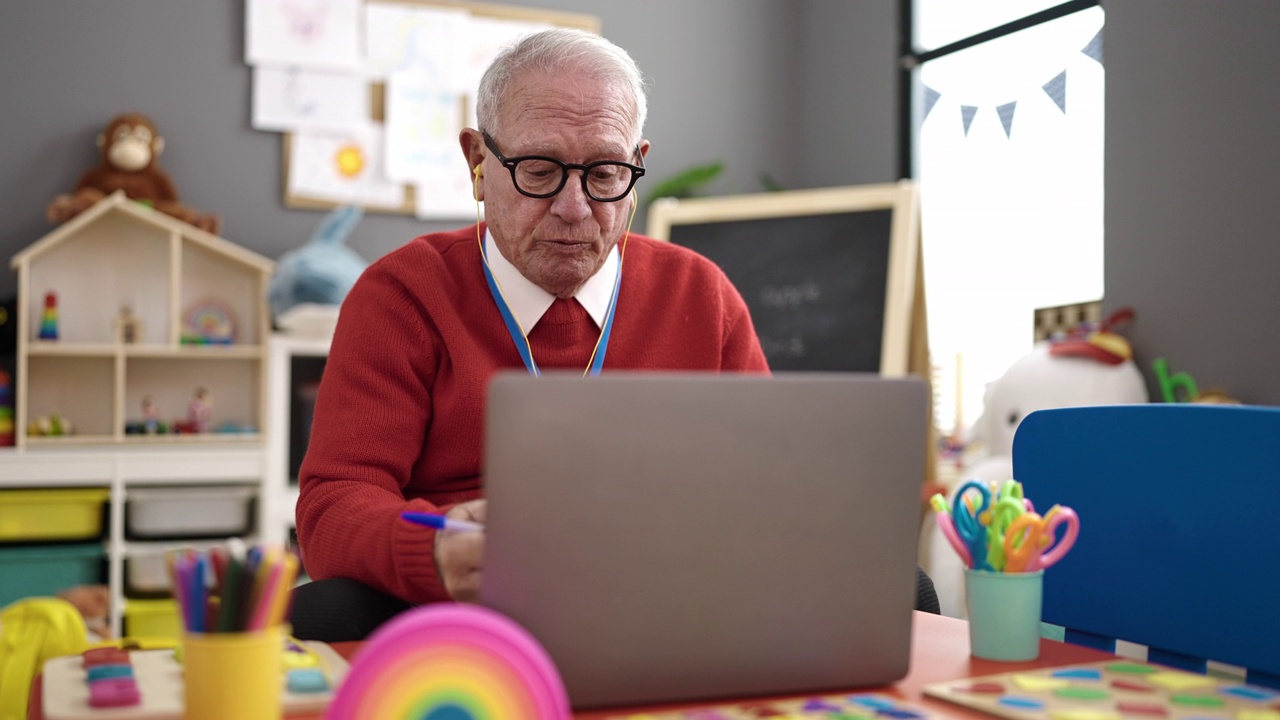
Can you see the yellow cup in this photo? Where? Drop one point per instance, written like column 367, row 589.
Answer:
column 233, row 675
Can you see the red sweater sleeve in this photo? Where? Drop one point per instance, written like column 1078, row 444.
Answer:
column 368, row 431
column 742, row 351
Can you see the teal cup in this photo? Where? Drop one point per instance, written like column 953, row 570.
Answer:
column 1004, row 614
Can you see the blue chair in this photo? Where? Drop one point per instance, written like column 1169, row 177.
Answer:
column 1179, row 545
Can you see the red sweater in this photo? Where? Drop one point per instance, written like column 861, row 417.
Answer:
column 399, row 420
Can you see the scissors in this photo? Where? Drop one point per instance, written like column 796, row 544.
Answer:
column 967, row 524
column 948, row 527
column 1031, row 543
column 1009, row 505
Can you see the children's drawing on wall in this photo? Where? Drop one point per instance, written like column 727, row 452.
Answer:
column 342, row 167
column 306, row 33
column 285, row 98
column 416, row 50
column 373, row 95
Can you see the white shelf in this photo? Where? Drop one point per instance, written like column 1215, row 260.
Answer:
column 130, row 285
column 126, row 287
column 119, row 468
column 282, row 350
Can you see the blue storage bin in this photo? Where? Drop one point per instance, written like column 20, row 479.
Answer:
column 43, row 570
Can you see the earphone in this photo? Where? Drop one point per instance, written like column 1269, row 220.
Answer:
column 479, row 171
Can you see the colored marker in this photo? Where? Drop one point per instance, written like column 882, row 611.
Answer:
column 440, row 522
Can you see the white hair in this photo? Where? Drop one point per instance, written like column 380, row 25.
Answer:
column 552, row 50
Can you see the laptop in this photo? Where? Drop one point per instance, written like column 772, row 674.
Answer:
column 682, row 537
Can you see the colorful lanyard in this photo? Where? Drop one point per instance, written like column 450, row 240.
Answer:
column 522, row 340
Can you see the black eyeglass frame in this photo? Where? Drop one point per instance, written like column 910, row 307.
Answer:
column 637, row 171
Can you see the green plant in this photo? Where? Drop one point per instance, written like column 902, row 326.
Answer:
column 684, row 183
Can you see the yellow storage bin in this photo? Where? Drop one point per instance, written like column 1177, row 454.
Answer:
column 154, row 619
column 61, row 514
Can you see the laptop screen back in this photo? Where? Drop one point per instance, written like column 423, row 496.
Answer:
column 674, row 537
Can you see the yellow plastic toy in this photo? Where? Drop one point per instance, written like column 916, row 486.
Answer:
column 32, row 631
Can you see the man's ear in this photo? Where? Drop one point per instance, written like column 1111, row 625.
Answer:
column 473, row 150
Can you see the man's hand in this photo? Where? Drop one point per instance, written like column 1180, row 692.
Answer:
column 458, row 554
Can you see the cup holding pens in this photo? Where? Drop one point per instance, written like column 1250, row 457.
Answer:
column 1004, row 613
column 233, row 630
column 233, row 674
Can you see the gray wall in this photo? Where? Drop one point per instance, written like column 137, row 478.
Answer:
column 848, row 132
column 1192, row 171
column 801, row 90
column 741, row 81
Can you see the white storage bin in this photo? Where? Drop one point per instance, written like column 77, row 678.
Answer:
column 146, row 572
column 209, row 511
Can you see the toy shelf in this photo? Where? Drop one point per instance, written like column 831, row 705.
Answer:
column 221, row 476
column 137, row 328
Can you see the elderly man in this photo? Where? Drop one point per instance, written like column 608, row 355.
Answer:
column 552, row 279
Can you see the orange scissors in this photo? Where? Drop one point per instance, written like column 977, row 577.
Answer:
column 1031, row 542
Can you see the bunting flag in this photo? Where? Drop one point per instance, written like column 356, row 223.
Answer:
column 966, row 113
column 930, row 99
column 1094, row 48
column 1006, row 116
column 1056, row 89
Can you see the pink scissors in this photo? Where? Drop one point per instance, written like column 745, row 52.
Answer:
column 1031, row 543
column 947, row 525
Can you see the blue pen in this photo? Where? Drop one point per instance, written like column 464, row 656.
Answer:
column 440, row 522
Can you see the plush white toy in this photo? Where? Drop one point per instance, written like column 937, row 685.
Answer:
column 1096, row 369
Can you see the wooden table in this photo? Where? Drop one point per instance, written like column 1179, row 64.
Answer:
column 939, row 651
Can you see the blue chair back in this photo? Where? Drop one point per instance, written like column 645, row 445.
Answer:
column 1179, row 545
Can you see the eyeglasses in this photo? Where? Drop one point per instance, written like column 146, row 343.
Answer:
column 539, row 176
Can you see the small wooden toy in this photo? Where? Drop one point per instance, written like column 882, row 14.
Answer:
column 200, row 411
column 128, row 326
column 110, row 683
column 49, row 317
column 208, row 322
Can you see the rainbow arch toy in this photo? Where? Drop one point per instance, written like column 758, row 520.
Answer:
column 450, row 661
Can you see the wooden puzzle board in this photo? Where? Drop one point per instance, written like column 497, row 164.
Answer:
column 1112, row 690
column 856, row 706
column 159, row 677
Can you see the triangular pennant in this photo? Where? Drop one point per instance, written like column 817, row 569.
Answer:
column 1006, row 116
column 930, row 98
column 1094, row 48
column 966, row 113
column 1056, row 89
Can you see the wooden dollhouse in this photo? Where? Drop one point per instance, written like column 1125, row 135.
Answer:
column 138, row 328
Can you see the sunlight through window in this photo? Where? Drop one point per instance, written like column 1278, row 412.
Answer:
column 1009, row 148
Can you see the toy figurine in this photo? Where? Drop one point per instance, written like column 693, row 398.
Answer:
column 200, row 411
column 49, row 318
column 6, row 411
column 150, row 418
column 128, row 326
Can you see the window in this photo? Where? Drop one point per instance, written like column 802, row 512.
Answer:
column 1007, row 145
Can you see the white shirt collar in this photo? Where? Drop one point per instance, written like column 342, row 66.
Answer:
column 529, row 302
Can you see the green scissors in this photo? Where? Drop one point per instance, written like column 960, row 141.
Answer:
column 1005, row 510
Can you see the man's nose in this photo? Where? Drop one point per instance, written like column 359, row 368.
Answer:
column 572, row 203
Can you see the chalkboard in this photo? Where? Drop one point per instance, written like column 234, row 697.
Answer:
column 829, row 275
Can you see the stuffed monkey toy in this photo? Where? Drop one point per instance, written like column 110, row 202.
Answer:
column 129, row 148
